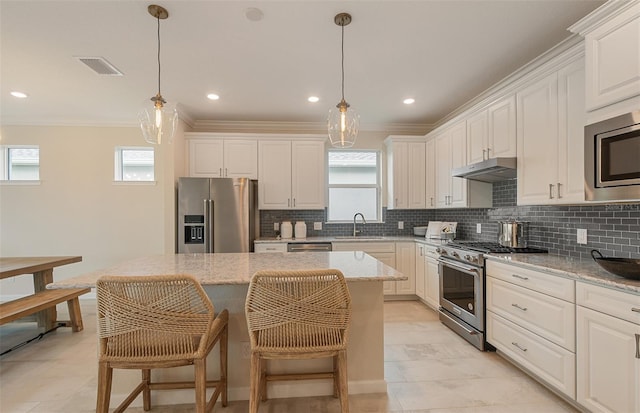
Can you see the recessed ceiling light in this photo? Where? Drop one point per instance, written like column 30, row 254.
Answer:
column 254, row 14
column 409, row 101
column 313, row 99
column 213, row 96
column 17, row 94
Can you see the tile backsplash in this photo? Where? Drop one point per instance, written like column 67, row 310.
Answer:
column 614, row 229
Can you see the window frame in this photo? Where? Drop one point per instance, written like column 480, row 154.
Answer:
column 5, row 164
column 377, row 186
column 118, row 164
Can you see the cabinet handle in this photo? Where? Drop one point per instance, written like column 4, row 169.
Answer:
column 220, row 171
column 396, row 202
column 226, row 172
column 520, row 277
column 488, row 153
column 519, row 307
column 559, row 196
column 551, row 191
column 294, row 202
column 431, row 201
column 637, row 346
column 483, row 153
column 518, row 346
column 289, row 202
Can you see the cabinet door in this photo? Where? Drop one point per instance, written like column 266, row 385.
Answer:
column 571, row 121
column 430, row 174
column 443, row 170
column 458, row 158
column 477, row 138
column 241, row 159
column 537, row 136
column 308, row 177
column 206, row 158
column 416, row 174
column 398, row 194
column 405, row 263
column 502, row 128
column 274, row 174
column 432, row 283
column 420, row 271
column 608, row 362
column 613, row 60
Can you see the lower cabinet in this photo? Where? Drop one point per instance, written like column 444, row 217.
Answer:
column 270, row 247
column 427, row 278
column 608, row 349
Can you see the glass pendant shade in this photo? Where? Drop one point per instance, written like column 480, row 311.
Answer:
column 158, row 121
column 343, row 124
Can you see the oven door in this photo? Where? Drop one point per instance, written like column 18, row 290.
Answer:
column 461, row 291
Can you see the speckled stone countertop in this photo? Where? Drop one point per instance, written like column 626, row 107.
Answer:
column 577, row 269
column 237, row 268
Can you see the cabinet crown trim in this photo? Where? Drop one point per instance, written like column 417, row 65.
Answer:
column 601, row 15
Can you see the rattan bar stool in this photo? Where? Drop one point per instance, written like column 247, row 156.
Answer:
column 151, row 322
column 298, row 315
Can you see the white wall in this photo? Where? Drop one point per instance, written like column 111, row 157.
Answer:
column 77, row 209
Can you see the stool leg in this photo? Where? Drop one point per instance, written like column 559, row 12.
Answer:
column 105, row 374
column 224, row 346
column 201, row 385
column 146, row 391
column 343, row 383
column 256, row 374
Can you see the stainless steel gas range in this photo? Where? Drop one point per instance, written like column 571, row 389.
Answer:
column 462, row 286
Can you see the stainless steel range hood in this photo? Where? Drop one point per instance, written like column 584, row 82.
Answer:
column 491, row 170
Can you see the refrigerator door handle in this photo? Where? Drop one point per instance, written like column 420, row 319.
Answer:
column 211, row 224
column 206, row 225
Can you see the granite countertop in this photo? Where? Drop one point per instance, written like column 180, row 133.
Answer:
column 578, row 269
column 237, row 268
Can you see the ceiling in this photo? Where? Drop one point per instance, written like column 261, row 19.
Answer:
column 441, row 53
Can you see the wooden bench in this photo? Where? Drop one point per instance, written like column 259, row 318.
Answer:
column 42, row 300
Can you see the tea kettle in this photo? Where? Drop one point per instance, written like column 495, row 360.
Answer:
column 513, row 234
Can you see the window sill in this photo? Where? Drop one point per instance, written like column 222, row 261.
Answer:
column 143, row 183
column 20, row 182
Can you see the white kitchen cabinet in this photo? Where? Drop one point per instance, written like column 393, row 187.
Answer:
column 263, row 247
column 291, row 174
column 608, row 353
column 550, row 138
column 406, row 170
column 612, row 49
column 491, row 132
column 531, row 319
column 223, row 158
column 405, row 263
column 432, row 278
column 450, row 150
column 421, row 272
column 430, row 173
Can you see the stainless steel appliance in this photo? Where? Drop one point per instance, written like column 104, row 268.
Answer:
column 462, row 287
column 513, row 233
column 488, row 170
column 308, row 246
column 612, row 159
column 217, row 215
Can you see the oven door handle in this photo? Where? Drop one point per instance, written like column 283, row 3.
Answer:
column 462, row 267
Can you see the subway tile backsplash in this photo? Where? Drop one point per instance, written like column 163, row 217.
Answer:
column 614, row 229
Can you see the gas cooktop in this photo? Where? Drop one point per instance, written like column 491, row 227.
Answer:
column 494, row 247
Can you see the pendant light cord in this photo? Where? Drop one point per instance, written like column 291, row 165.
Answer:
column 342, row 50
column 158, row 18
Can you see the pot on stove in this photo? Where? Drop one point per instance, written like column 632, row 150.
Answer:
column 513, row 234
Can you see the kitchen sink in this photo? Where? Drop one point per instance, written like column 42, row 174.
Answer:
column 361, row 237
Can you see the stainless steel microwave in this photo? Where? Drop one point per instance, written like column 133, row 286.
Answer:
column 612, row 159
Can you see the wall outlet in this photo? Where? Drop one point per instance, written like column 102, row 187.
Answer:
column 246, row 349
column 478, row 228
column 276, row 226
column 317, row 226
column 581, row 236
column 400, row 224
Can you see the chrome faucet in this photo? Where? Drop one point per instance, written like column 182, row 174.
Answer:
column 364, row 221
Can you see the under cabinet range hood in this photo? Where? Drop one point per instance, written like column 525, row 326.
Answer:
column 491, row 170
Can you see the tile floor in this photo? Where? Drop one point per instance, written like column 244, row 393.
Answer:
column 428, row 369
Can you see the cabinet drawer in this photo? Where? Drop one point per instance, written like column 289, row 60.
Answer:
column 271, row 247
column 367, row 247
column 552, row 285
column 549, row 317
column 613, row 302
column 552, row 363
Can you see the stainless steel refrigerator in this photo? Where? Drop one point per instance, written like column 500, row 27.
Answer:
column 217, row 215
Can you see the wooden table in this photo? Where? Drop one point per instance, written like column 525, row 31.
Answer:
column 42, row 270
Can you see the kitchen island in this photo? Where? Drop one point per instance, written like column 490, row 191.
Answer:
column 225, row 277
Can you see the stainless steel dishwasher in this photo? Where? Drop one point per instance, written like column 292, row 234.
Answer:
column 308, row 246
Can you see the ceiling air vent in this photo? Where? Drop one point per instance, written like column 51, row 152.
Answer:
column 100, row 65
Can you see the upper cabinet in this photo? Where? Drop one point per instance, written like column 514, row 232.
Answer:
column 430, row 168
column 491, row 132
column 612, row 50
column 291, row 174
column 406, row 172
column 215, row 157
column 450, row 152
column 550, row 121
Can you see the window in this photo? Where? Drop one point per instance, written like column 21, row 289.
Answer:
column 354, row 185
column 20, row 163
column 134, row 164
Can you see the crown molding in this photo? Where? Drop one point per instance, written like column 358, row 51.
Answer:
column 301, row 127
column 602, row 14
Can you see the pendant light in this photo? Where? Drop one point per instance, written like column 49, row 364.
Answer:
column 343, row 121
column 158, row 121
